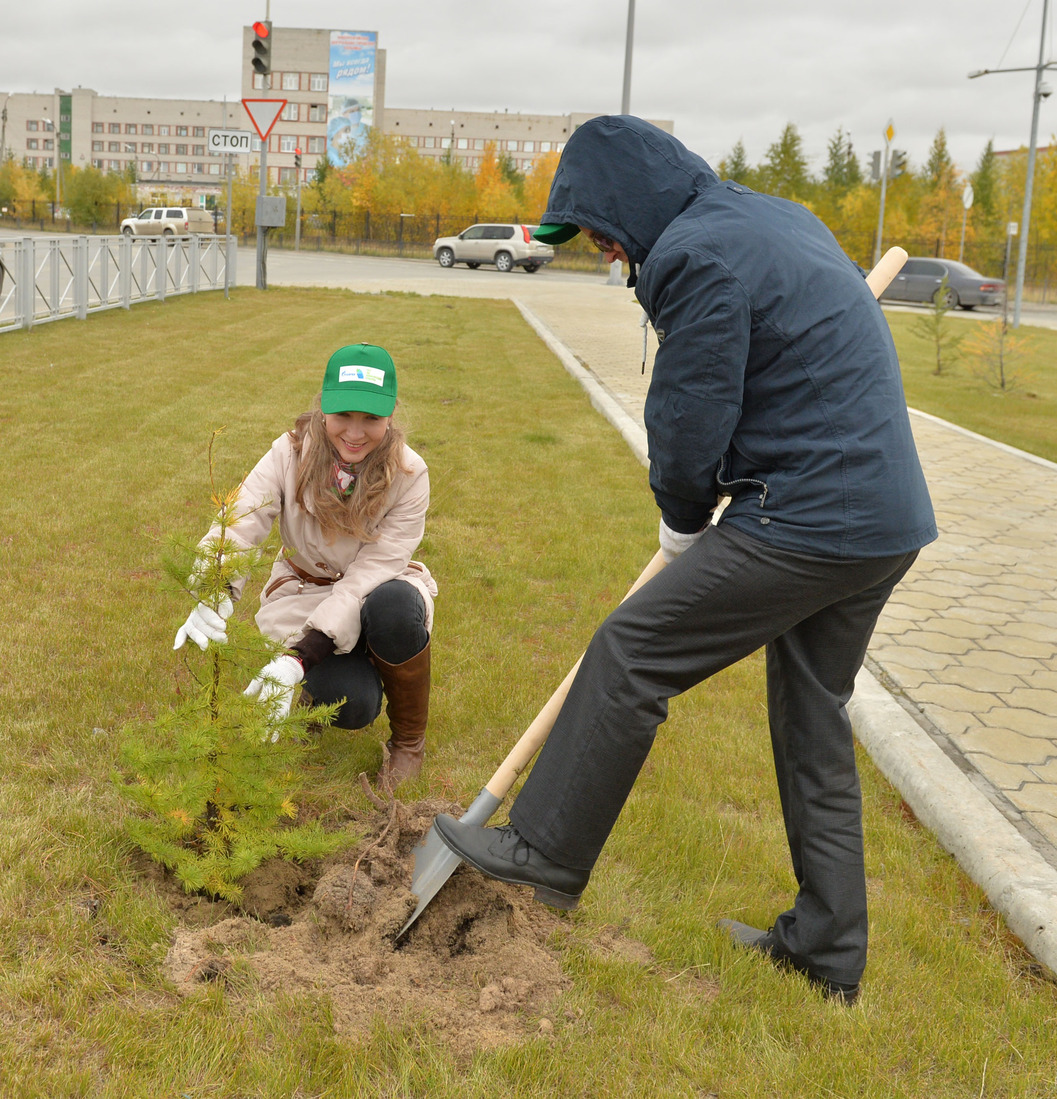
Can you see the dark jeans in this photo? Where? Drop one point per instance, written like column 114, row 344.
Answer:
column 393, row 624
column 723, row 599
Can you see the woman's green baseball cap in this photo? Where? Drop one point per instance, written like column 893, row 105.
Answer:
column 556, row 234
column 360, row 378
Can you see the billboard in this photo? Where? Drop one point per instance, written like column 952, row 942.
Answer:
column 350, row 104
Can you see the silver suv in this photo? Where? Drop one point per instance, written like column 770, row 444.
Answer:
column 168, row 221
column 507, row 246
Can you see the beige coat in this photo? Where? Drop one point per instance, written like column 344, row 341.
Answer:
column 293, row 607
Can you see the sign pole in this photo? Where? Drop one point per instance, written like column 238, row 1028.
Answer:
column 262, row 240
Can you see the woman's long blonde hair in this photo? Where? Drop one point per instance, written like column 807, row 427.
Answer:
column 359, row 513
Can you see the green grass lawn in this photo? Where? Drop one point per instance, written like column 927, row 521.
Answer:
column 541, row 519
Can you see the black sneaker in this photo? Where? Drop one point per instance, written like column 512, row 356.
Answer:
column 502, row 854
column 763, row 941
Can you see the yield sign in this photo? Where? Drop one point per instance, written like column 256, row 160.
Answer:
column 264, row 113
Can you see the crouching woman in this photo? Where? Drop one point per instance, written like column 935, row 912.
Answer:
column 344, row 595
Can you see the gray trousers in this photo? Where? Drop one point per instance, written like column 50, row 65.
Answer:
column 723, row 599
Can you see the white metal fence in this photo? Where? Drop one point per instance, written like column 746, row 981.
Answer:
column 49, row 278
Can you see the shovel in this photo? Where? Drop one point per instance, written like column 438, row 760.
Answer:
column 435, row 862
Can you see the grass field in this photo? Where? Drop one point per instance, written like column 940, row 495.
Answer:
column 540, row 520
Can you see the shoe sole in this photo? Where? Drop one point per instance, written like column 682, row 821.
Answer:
column 544, row 894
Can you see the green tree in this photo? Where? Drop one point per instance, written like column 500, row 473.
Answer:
column 737, row 167
column 785, row 170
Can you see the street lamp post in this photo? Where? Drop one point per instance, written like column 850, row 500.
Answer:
column 1042, row 90
column 616, row 274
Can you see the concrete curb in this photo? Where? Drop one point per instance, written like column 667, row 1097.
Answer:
column 1018, row 882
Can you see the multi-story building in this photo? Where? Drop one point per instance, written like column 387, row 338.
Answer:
column 333, row 83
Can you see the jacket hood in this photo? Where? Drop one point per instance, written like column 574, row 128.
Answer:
column 626, row 179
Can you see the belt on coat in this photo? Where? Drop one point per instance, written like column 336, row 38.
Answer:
column 302, row 579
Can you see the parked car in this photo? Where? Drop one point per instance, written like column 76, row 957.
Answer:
column 168, row 221
column 920, row 277
column 506, row 246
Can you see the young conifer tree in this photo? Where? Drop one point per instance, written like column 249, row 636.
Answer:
column 215, row 779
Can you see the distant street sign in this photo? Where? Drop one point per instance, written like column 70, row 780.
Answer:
column 890, row 132
column 967, row 196
column 228, row 141
column 264, row 113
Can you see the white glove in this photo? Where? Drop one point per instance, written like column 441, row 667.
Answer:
column 274, row 685
column 673, row 543
column 205, row 624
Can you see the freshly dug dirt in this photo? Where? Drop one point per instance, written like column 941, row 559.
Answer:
column 476, row 966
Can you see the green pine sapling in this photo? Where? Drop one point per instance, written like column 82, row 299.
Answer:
column 217, row 776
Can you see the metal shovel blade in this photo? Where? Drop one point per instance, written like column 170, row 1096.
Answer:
column 435, row 862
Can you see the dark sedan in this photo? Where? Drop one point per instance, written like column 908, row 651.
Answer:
column 920, row 279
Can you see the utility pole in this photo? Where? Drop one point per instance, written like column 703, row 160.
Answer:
column 616, row 276
column 889, row 133
column 1041, row 92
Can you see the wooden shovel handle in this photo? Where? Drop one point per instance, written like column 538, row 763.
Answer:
column 522, row 754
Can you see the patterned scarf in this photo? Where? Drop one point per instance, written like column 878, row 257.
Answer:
column 344, row 479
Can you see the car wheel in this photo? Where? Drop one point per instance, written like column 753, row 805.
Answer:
column 446, row 257
column 127, row 230
column 473, row 266
column 949, row 299
column 504, row 261
column 167, row 233
column 531, row 268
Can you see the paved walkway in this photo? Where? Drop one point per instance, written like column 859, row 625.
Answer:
column 958, row 703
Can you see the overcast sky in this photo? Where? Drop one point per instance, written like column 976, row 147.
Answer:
column 721, row 71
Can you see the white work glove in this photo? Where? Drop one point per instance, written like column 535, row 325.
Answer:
column 673, row 543
column 205, row 624
column 274, row 685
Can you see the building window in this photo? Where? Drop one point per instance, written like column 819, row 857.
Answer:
column 511, row 146
column 255, row 143
column 462, row 143
column 181, row 150
column 290, row 112
column 214, row 168
column 115, row 165
column 98, row 164
column 181, row 131
column 198, row 150
column 147, row 147
column 97, row 146
column 31, row 143
column 130, row 146
column 198, row 169
column 317, row 112
column 31, row 125
column 163, row 149
column 198, row 131
column 48, row 143
column 317, row 144
column 530, row 147
column 163, row 130
column 146, row 165
column 317, row 82
column 291, row 82
column 97, row 127
column 181, row 168
column 148, row 128
column 258, row 81
column 545, row 146
column 115, row 127
column 130, row 127
column 113, row 147
column 287, row 175
column 287, row 143
column 47, row 125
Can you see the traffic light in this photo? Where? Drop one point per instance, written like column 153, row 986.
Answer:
column 899, row 163
column 262, row 47
column 297, row 158
column 875, row 166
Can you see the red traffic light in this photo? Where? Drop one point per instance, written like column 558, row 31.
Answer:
column 261, row 30
column 297, row 151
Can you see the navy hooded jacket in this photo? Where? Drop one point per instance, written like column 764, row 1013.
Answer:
column 776, row 379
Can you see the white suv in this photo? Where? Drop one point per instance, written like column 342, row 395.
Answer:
column 168, row 221
column 507, row 246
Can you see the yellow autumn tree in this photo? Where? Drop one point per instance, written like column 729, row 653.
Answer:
column 496, row 200
column 538, row 185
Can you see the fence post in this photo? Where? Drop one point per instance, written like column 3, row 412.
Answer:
column 26, row 283
column 80, row 277
column 125, row 277
column 161, row 267
column 194, row 260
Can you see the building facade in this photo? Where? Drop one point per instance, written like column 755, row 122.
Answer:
column 164, row 141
